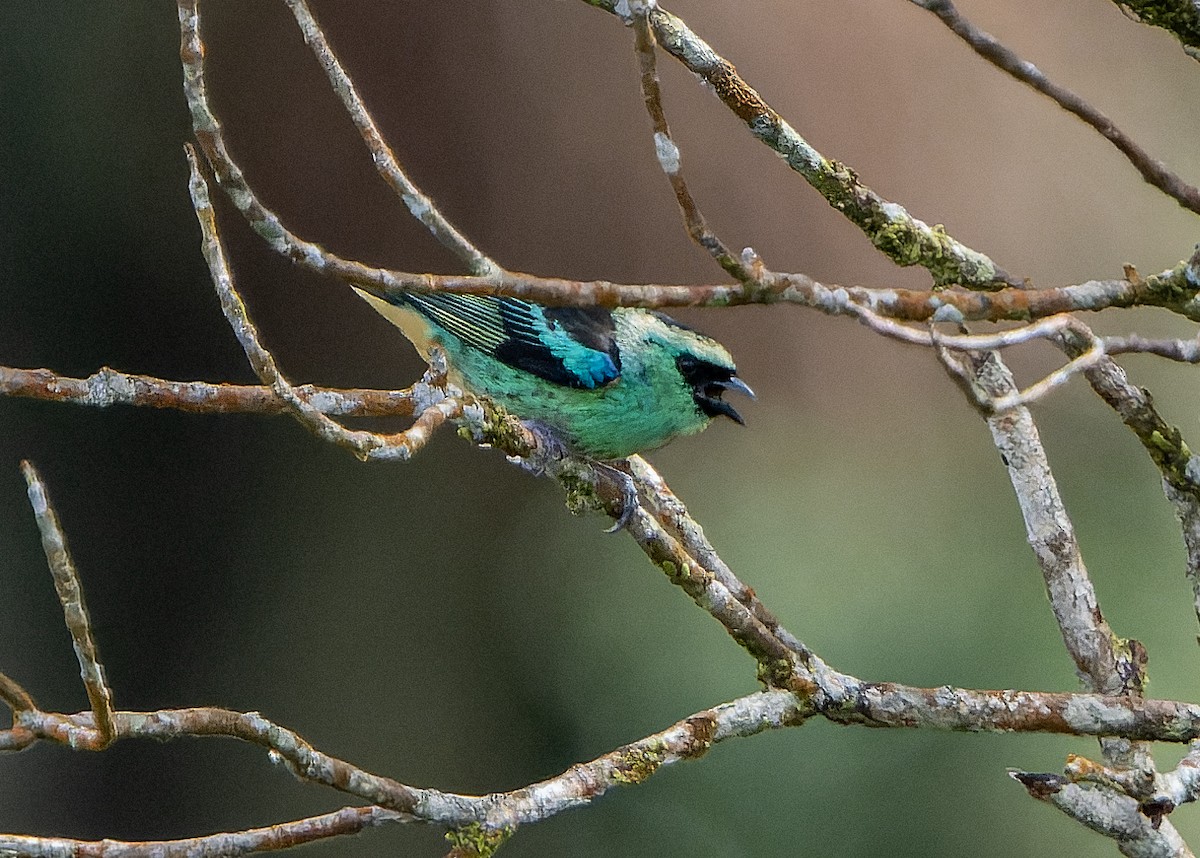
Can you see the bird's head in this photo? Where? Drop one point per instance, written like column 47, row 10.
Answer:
column 706, row 367
column 708, row 381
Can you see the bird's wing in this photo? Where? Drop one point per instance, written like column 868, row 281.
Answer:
column 569, row 346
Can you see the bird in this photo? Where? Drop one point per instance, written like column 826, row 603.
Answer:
column 606, row 383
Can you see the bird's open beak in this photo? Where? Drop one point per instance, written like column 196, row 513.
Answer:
column 740, row 386
column 717, row 405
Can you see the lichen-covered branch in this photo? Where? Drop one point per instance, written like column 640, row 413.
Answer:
column 107, row 387
column 1106, row 663
column 1108, row 813
column 1163, row 442
column 905, row 239
column 815, row 689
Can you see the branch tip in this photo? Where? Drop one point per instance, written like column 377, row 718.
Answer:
column 70, row 595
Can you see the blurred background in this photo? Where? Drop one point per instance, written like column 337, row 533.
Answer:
column 447, row 622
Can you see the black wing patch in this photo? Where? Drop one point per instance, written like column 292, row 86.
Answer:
column 568, row 346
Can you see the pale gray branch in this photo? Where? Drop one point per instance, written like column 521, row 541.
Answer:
column 70, row 595
column 419, row 205
column 438, row 405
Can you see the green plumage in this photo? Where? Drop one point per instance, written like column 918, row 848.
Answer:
column 607, row 383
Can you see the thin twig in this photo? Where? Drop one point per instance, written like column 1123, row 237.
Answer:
column 942, row 344
column 107, row 387
column 1175, row 289
column 284, row 835
column 14, row 695
column 986, row 45
column 70, row 594
column 1108, row 813
column 1050, row 329
column 365, row 445
column 1054, row 380
column 1184, row 351
column 905, row 239
column 668, row 153
column 419, row 205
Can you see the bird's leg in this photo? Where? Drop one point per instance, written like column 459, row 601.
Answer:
column 629, row 494
column 551, row 456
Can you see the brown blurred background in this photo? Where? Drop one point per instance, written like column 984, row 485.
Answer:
column 447, row 622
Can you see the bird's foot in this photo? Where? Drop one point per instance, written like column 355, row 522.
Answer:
column 629, row 495
column 586, row 480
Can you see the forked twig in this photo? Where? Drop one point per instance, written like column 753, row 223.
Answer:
column 433, row 412
column 1106, row 663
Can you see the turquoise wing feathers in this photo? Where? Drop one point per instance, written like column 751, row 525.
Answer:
column 570, row 346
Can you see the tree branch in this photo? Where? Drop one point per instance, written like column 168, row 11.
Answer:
column 109, row 387
column 903, row 238
column 436, row 407
column 671, row 161
column 985, row 45
column 419, row 205
column 284, row 835
column 70, row 595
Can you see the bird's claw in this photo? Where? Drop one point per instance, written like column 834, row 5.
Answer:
column 629, row 497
